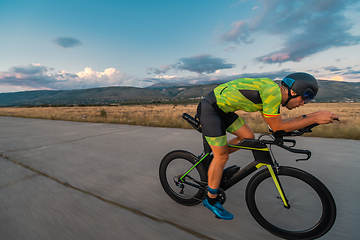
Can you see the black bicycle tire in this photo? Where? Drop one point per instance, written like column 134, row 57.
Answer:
column 328, row 204
column 187, row 156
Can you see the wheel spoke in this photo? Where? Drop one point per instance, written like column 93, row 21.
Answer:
column 188, row 190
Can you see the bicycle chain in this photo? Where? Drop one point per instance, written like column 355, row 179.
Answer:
column 221, row 194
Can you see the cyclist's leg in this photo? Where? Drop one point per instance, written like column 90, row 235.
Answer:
column 221, row 155
column 237, row 126
column 244, row 132
column 214, row 131
column 213, row 128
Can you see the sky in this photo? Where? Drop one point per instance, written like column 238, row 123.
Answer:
column 75, row 44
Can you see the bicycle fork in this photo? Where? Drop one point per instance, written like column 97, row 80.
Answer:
column 276, row 182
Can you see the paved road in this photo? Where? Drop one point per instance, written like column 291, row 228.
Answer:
column 69, row 180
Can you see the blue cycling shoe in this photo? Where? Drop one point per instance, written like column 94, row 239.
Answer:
column 218, row 209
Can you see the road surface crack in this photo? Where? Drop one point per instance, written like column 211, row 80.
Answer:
column 69, row 141
column 133, row 210
column 18, row 181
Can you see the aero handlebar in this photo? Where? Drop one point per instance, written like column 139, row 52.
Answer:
column 279, row 140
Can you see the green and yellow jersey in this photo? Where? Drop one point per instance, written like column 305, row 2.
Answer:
column 250, row 95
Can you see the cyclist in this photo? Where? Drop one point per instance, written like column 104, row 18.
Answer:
column 217, row 116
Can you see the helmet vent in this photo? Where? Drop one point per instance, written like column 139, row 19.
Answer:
column 288, row 81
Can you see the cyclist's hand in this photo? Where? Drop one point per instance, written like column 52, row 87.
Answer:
column 325, row 117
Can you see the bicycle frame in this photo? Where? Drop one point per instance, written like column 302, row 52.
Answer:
column 262, row 157
column 195, row 177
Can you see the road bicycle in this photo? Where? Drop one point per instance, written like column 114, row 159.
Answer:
column 288, row 202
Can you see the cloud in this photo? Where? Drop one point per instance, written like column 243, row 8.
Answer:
column 162, row 69
column 109, row 77
column 218, row 77
column 353, row 72
column 230, row 49
column 168, row 77
column 32, row 76
column 306, row 29
column 240, row 33
column 67, row 42
column 348, row 72
column 203, row 63
column 29, row 69
column 36, row 76
column 272, row 75
column 332, row 69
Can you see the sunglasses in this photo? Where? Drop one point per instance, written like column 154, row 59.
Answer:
column 308, row 96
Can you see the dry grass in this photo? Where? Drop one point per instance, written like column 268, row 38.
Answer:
column 170, row 116
column 348, row 127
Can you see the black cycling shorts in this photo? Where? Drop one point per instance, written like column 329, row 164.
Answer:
column 215, row 123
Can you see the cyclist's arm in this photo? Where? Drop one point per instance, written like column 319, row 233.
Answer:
column 277, row 123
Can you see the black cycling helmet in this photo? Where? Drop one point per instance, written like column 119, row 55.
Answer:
column 303, row 84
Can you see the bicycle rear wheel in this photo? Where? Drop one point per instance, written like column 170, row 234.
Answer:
column 189, row 191
column 312, row 209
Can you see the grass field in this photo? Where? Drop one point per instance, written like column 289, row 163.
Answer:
column 169, row 115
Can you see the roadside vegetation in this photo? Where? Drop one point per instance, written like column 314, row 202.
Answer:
column 169, row 115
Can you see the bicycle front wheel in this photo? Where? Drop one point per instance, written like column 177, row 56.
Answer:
column 312, row 210
column 188, row 190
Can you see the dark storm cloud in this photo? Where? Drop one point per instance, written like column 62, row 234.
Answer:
column 307, row 27
column 67, row 42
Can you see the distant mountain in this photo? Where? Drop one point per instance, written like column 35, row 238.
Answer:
column 330, row 91
column 84, row 96
column 163, row 85
column 334, row 91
